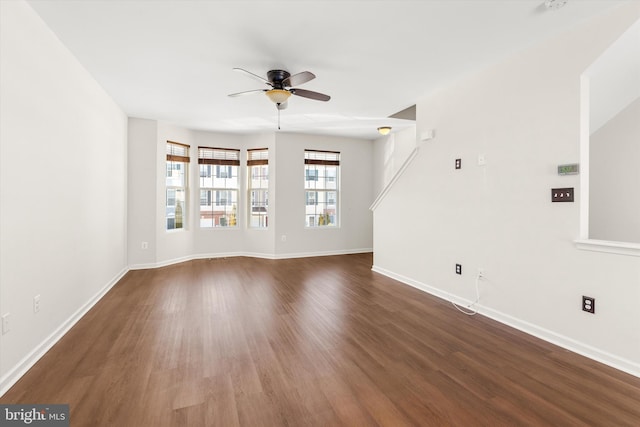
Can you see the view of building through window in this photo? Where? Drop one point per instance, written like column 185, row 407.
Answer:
column 321, row 174
column 176, row 185
column 218, row 186
column 258, row 186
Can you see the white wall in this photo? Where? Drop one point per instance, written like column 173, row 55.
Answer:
column 614, row 178
column 218, row 241
column 523, row 116
column 174, row 244
column 63, row 188
column 142, row 174
column 260, row 241
column 389, row 153
column 356, row 195
column 286, row 197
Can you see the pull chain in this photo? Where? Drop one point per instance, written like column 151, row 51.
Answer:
column 278, row 108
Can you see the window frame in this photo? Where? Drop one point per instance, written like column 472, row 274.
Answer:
column 319, row 213
column 257, row 158
column 220, row 163
column 177, row 153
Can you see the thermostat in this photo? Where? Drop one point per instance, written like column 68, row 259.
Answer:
column 570, row 169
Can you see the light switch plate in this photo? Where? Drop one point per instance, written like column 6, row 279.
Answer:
column 562, row 194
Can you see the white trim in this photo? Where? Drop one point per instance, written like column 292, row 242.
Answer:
column 186, row 258
column 27, row 362
column 324, row 253
column 586, row 350
column 421, row 286
column 584, row 156
column 620, row 248
column 397, row 175
column 249, row 254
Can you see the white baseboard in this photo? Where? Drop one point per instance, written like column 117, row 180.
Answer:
column 325, row 253
column 565, row 342
column 249, row 254
column 15, row 373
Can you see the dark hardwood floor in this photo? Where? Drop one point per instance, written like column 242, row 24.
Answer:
column 313, row 341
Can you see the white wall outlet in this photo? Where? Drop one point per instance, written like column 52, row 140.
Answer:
column 481, row 272
column 482, row 160
column 283, row 238
column 145, row 245
column 6, row 324
column 36, row 303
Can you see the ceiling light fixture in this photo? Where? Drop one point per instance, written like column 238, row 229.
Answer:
column 278, row 96
column 555, row 4
column 384, row 130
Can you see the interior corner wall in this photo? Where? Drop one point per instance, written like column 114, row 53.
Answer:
column 261, row 241
column 389, row 154
column 174, row 245
column 614, row 178
column 141, row 191
column 218, row 241
column 354, row 233
column 63, row 185
column 523, row 116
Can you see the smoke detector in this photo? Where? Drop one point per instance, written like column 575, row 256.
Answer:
column 555, row 4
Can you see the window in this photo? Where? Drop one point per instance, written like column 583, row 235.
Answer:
column 218, row 186
column 321, row 172
column 312, row 197
column 176, row 185
column 258, row 183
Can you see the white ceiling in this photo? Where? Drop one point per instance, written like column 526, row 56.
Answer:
column 173, row 60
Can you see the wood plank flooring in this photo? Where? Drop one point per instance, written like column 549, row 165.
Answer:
column 310, row 342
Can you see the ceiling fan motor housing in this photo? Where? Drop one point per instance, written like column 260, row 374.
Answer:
column 276, row 77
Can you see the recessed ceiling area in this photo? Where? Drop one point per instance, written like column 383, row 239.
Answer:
column 173, row 60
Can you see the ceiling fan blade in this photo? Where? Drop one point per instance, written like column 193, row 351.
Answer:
column 298, row 79
column 255, row 76
column 247, row 92
column 310, row 94
column 282, row 105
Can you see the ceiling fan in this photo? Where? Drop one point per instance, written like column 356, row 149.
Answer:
column 281, row 83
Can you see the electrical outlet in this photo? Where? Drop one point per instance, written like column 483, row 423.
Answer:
column 458, row 163
column 589, row 304
column 36, row 303
column 6, row 323
column 458, row 268
column 481, row 272
column 482, row 160
column 145, row 245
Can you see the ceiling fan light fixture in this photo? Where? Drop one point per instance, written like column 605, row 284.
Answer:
column 384, row 130
column 278, row 96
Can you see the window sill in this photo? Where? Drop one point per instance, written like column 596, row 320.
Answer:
column 323, row 227
column 620, row 248
column 176, row 230
column 235, row 228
